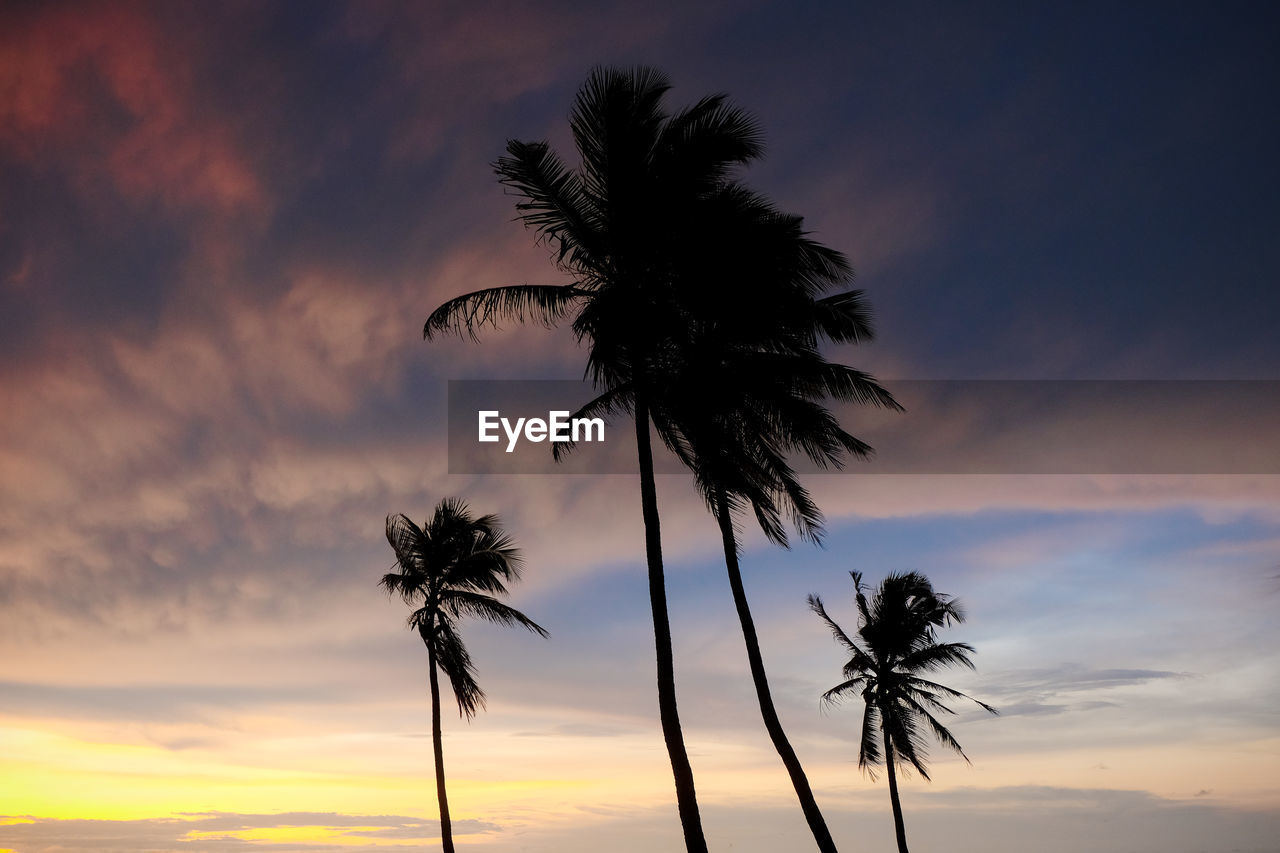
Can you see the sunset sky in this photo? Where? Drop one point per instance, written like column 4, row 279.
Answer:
column 222, row 227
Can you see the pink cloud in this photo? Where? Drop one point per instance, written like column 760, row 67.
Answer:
column 65, row 70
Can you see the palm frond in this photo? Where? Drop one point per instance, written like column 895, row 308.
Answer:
column 423, row 620
column 486, row 563
column 941, row 732
column 454, row 661
column 556, row 205
column 936, row 656
column 616, row 121
column 459, row 602
column 841, row 382
column 608, row 404
column 861, row 662
column 954, row 694
column 546, row 304
column 909, row 747
column 860, row 599
column 407, row 541
column 844, row 317
column 839, row 692
column 702, row 142
column 815, row 604
column 869, row 752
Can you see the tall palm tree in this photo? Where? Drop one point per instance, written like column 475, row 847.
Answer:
column 452, row 566
column 898, row 630
column 625, row 229
column 751, row 472
column 732, row 412
column 746, row 388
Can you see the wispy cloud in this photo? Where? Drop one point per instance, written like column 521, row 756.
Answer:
column 304, row 832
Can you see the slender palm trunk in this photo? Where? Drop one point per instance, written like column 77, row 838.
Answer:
column 686, row 797
column 893, row 795
column 772, row 724
column 446, row 826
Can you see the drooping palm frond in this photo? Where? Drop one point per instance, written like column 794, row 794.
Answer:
column 459, row 603
column 940, row 732
column 951, row 693
column 844, row 689
column 455, row 662
column 546, row 304
column 902, row 731
column 869, row 752
column 815, row 604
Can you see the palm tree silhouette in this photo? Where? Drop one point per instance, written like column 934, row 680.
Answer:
column 629, row 229
column 898, row 629
column 732, row 413
column 451, row 567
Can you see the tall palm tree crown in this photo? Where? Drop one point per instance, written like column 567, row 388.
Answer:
column 622, row 228
column 897, row 644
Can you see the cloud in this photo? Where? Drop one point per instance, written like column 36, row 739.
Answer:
column 1053, row 691
column 1003, row 816
column 1030, row 709
column 217, row 831
column 904, row 495
column 158, row 702
column 106, row 86
column 580, row 730
column 1075, row 678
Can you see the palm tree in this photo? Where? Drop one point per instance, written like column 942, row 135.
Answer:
column 451, row 567
column 626, row 228
column 898, row 631
column 732, row 414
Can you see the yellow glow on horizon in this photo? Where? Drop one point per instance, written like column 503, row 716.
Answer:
column 57, row 775
column 315, row 834
column 51, row 774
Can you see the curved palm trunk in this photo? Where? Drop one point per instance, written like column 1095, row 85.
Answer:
column 893, row 795
column 686, row 797
column 446, row 826
column 809, row 805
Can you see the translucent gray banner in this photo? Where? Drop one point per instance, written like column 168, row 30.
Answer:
column 949, row 427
